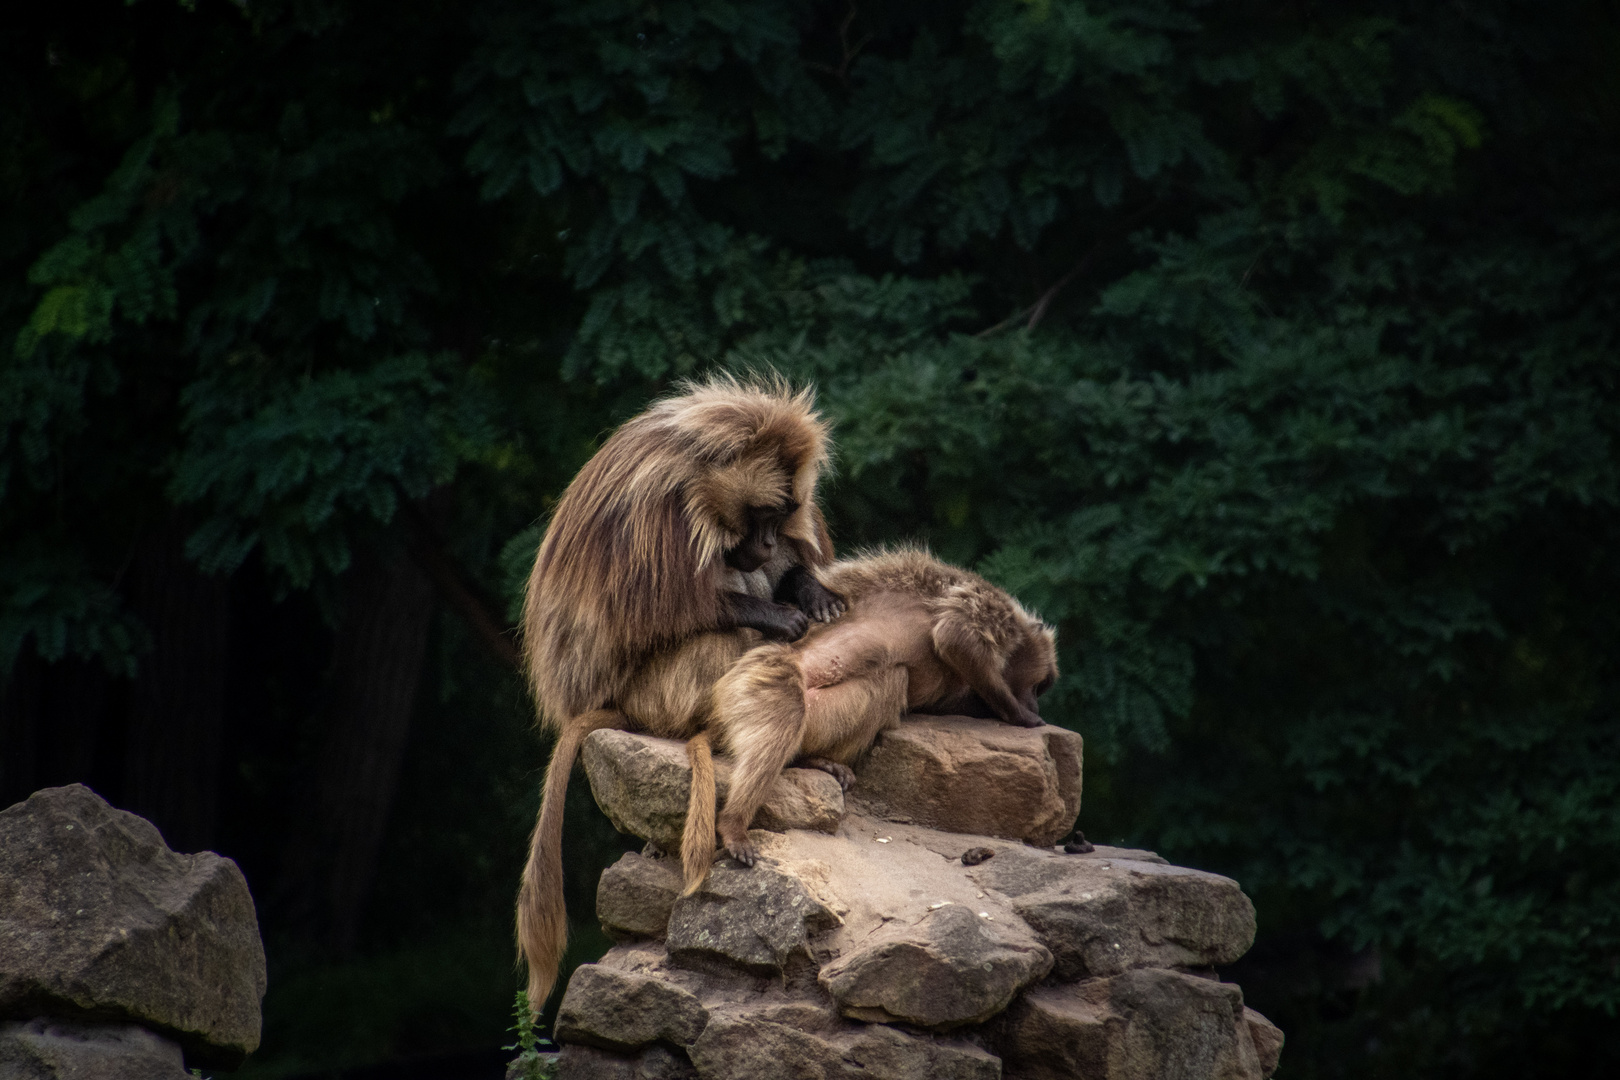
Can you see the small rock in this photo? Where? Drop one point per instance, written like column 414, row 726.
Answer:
column 1268, row 1040
column 635, row 896
column 973, row 856
column 99, row 917
column 949, row 967
column 642, row 784
column 753, row 918
column 1102, row 917
column 1143, row 1025
column 43, row 1049
column 974, row 776
column 623, row 1011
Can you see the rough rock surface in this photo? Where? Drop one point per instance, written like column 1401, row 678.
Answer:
column 622, row 1010
column 99, row 919
column 871, row 950
column 949, row 967
column 636, row 895
column 974, row 776
column 1145, row 1024
column 752, row 918
column 643, row 783
column 1101, row 916
column 44, row 1049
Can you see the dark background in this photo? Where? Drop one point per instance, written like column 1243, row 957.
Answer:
column 1268, row 349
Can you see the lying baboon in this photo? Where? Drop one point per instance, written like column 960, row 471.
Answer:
column 919, row 636
column 667, row 558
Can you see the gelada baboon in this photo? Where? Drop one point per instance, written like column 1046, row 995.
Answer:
column 919, row 636
column 667, row 558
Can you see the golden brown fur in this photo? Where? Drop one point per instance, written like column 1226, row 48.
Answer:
column 626, row 621
column 919, row 635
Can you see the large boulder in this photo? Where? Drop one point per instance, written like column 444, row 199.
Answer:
column 100, row 920
column 974, row 776
column 643, row 783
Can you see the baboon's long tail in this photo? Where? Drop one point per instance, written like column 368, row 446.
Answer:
column 542, row 922
column 697, row 839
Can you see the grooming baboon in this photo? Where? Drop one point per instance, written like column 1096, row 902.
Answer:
column 664, row 562
column 919, row 636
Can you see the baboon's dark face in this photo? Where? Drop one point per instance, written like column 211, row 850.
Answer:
column 1032, row 670
column 758, row 545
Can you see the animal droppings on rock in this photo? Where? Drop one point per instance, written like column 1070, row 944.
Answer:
column 975, row 855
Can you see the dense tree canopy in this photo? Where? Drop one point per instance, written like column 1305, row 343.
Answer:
column 1270, row 350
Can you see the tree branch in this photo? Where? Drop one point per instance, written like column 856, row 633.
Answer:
column 469, row 601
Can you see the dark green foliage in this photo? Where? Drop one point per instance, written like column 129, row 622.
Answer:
column 1271, row 352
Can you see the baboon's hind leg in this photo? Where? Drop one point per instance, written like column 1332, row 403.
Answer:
column 759, row 719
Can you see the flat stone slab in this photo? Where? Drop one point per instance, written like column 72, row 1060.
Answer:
column 98, row 918
column 1102, row 915
column 982, row 777
column 643, row 783
column 1146, row 1024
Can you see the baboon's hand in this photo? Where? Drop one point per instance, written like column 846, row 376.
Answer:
column 1025, row 718
column 788, row 624
column 821, row 603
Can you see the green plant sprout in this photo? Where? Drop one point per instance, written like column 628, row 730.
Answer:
column 531, row 1063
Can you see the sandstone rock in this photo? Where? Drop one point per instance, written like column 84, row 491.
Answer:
column 753, row 918
column 642, row 784
column 1268, row 1040
column 619, row 1010
column 1101, row 916
column 740, row 1043
column 974, row 776
column 635, row 896
column 74, row 1050
column 950, row 967
column 99, row 918
column 654, row 1063
column 1146, row 1024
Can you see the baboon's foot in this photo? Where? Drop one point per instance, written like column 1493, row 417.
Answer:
column 839, row 772
column 738, row 846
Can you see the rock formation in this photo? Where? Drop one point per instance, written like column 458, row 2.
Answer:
column 119, row 957
column 865, row 945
